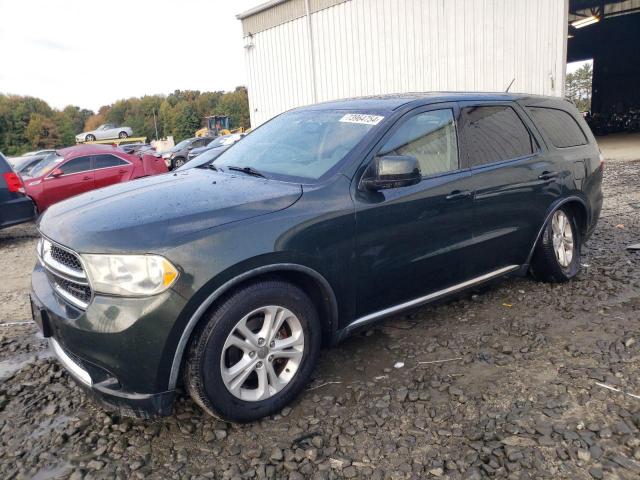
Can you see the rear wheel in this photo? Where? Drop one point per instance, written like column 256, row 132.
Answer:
column 123, row 135
column 557, row 254
column 255, row 352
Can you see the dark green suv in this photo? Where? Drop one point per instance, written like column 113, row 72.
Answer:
column 230, row 276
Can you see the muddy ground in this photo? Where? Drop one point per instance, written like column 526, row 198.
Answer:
column 518, row 380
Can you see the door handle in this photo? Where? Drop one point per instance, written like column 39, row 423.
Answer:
column 548, row 175
column 458, row 194
column 87, row 178
column 122, row 171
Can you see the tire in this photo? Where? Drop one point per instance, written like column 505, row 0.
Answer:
column 548, row 263
column 90, row 138
column 123, row 135
column 178, row 162
column 213, row 353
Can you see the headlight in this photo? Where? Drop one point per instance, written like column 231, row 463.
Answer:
column 130, row 275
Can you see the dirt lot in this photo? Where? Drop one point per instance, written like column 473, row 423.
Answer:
column 513, row 381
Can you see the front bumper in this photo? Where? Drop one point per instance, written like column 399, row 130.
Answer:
column 118, row 350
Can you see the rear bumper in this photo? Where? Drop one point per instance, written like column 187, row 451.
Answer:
column 116, row 349
column 17, row 210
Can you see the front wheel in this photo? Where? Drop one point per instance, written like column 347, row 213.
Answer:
column 178, row 162
column 557, row 254
column 90, row 138
column 255, row 352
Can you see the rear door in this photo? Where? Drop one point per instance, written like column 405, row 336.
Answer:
column 514, row 183
column 77, row 177
column 110, row 169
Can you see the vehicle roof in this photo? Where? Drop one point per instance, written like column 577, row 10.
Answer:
column 88, row 150
column 394, row 101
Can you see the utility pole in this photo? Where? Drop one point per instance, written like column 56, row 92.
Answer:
column 153, row 110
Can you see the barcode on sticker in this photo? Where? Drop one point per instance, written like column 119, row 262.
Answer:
column 362, row 118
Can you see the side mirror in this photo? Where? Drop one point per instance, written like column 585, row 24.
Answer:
column 56, row 172
column 392, row 171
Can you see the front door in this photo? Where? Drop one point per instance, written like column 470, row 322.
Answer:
column 76, row 178
column 511, row 188
column 412, row 241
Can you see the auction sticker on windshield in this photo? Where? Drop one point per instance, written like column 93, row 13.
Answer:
column 362, row 118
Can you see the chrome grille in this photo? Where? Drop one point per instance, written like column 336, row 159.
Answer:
column 76, row 290
column 65, row 273
column 66, row 258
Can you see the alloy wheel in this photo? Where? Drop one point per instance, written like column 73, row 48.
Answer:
column 563, row 245
column 262, row 353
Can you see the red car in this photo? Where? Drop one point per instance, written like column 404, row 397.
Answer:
column 78, row 169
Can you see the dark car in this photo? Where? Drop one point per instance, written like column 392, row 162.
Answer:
column 178, row 155
column 319, row 223
column 218, row 142
column 15, row 206
column 205, row 158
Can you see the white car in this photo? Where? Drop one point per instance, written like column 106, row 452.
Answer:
column 104, row 132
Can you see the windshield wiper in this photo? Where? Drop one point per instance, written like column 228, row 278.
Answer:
column 247, row 170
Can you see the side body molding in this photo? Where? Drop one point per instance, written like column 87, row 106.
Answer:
column 278, row 267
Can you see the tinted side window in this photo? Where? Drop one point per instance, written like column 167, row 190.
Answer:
column 431, row 138
column 558, row 126
column 494, row 133
column 106, row 161
column 76, row 165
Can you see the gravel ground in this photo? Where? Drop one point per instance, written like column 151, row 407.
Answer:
column 517, row 380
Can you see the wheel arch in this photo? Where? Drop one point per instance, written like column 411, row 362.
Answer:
column 578, row 207
column 312, row 282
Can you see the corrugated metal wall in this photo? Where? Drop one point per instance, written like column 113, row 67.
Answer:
column 366, row 47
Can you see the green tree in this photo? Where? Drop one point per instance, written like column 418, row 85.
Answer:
column 41, row 132
column 579, row 87
column 186, row 121
column 236, row 105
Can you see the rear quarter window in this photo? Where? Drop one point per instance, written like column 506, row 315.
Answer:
column 558, row 126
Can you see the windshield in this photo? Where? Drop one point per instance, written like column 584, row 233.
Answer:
column 304, row 144
column 47, row 164
column 181, row 145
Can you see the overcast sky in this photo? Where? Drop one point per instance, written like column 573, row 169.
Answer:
column 90, row 53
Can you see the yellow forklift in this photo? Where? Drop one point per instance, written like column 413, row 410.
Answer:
column 216, row 125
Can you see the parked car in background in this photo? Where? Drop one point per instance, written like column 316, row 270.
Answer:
column 205, row 159
column 222, row 141
column 22, row 165
column 319, row 223
column 177, row 156
column 82, row 168
column 139, row 148
column 104, row 132
column 39, row 152
column 15, row 206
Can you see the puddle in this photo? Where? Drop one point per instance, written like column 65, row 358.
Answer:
column 57, row 471
column 10, row 367
column 49, row 424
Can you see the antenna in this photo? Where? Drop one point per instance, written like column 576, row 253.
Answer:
column 507, row 90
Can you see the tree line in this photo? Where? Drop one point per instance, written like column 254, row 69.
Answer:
column 28, row 123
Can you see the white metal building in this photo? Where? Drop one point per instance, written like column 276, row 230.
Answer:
column 306, row 51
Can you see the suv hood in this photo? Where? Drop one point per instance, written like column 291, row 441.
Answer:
column 149, row 214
